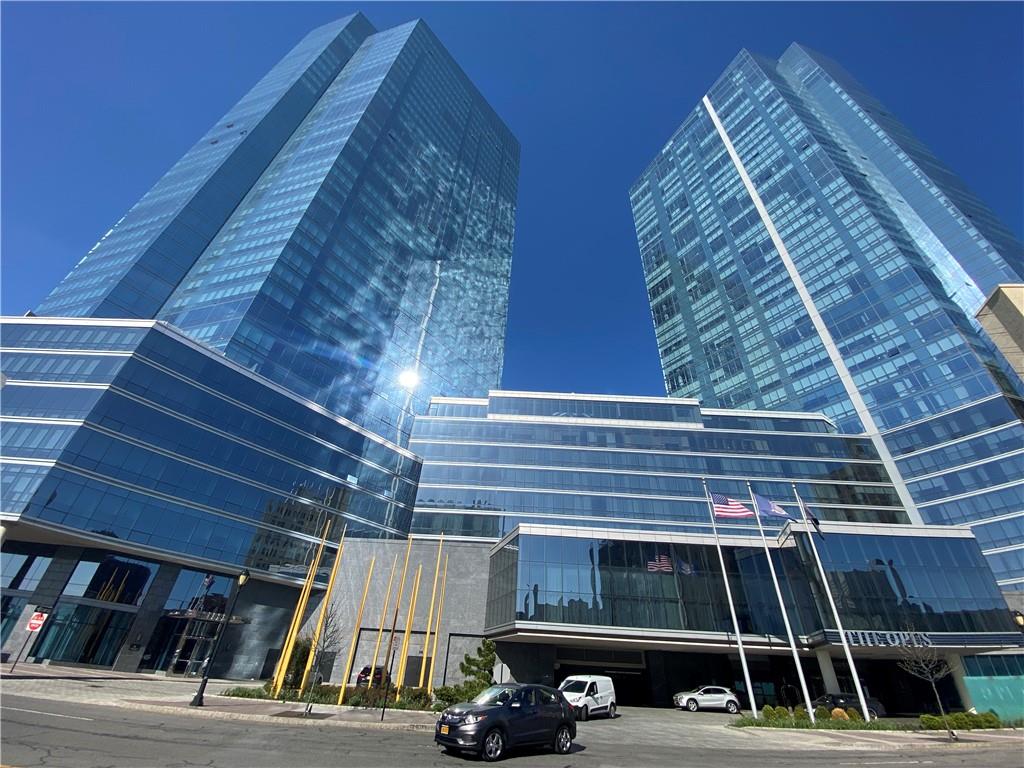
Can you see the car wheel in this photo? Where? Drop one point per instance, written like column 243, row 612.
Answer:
column 611, row 710
column 872, row 715
column 731, row 708
column 494, row 746
column 584, row 714
column 563, row 740
column 691, row 705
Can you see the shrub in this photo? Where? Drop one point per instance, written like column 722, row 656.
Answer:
column 959, row 721
column 247, row 693
column 990, row 720
column 781, row 713
column 768, row 712
column 931, row 723
column 854, row 715
column 800, row 713
column 839, row 714
column 821, row 713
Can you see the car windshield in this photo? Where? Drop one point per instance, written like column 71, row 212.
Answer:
column 496, row 694
column 576, row 686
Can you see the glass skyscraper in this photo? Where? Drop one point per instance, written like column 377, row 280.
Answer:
column 238, row 360
column 347, row 224
column 802, row 250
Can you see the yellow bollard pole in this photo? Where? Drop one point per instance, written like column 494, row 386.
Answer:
column 380, row 629
column 408, row 628
column 394, row 619
column 355, row 634
column 324, row 609
column 430, row 616
column 300, row 610
column 437, row 627
column 297, row 615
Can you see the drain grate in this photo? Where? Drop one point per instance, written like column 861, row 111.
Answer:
column 301, row 716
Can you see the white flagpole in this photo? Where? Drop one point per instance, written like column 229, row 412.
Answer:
column 782, row 607
column 832, row 605
column 732, row 609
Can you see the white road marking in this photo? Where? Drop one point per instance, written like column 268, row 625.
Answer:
column 51, row 714
column 892, row 762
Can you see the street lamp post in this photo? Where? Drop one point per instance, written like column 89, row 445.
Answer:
column 197, row 700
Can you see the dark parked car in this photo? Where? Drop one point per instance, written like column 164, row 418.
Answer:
column 505, row 716
column 846, row 700
column 380, row 677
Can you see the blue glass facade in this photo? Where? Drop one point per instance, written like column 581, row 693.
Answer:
column 602, row 553
column 802, row 250
column 590, row 460
column 884, row 583
column 349, row 220
column 130, row 431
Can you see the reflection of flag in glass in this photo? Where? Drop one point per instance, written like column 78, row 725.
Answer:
column 661, row 563
column 726, row 507
column 685, row 568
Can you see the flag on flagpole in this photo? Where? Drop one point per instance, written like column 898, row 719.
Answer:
column 768, row 508
column 661, row 563
column 726, row 507
column 810, row 517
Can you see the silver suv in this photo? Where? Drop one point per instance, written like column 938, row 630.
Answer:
column 708, row 697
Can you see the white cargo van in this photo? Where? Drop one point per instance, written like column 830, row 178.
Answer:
column 589, row 695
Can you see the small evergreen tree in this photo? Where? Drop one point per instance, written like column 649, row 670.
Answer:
column 480, row 668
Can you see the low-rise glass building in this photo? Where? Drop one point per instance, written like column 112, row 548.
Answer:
column 141, row 471
column 603, row 552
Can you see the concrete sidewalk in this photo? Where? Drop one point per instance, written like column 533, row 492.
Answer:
column 158, row 693
column 294, row 713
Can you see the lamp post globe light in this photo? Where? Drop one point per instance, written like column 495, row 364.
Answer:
column 197, row 700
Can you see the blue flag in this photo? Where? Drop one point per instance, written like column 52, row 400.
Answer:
column 768, row 508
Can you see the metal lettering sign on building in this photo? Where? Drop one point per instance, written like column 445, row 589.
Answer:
column 894, row 639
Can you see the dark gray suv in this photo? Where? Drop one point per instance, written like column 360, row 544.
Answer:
column 505, row 716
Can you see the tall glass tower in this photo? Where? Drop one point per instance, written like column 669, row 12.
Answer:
column 803, row 251
column 231, row 372
column 345, row 230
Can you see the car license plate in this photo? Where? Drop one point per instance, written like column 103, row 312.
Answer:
column 444, row 730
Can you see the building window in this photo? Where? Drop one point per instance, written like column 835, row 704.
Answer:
column 111, row 578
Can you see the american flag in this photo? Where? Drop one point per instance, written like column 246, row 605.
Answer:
column 660, row 563
column 726, row 507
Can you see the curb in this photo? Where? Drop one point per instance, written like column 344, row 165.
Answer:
column 884, row 741
column 286, row 721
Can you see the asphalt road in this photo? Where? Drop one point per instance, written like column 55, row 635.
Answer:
column 38, row 732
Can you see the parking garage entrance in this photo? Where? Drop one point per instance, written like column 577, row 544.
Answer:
column 627, row 669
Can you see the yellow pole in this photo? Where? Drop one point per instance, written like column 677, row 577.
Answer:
column 437, row 626
column 380, row 629
column 324, row 610
column 355, row 634
column 430, row 616
column 300, row 611
column 398, row 605
column 296, row 617
column 408, row 628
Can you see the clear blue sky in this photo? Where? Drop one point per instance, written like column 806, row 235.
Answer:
column 99, row 100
